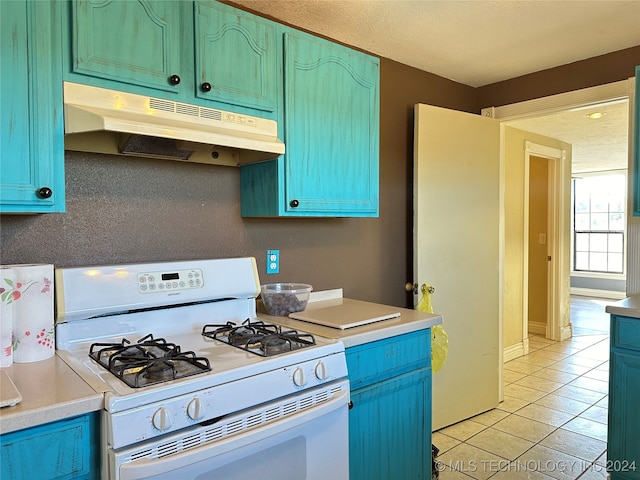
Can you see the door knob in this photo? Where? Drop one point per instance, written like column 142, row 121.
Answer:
column 413, row 287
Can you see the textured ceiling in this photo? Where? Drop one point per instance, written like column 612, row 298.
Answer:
column 481, row 42
column 474, row 42
column 598, row 144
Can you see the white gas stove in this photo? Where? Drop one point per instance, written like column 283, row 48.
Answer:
column 175, row 398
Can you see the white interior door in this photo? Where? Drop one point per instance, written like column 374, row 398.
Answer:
column 457, row 249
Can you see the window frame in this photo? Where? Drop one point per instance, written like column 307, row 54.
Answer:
column 599, row 273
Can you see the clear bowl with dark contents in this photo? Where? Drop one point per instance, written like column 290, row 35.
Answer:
column 281, row 299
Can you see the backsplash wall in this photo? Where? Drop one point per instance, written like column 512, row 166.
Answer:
column 122, row 210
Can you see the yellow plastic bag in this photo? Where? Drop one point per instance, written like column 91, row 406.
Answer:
column 439, row 347
column 439, row 338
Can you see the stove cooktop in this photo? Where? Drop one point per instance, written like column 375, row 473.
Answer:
column 258, row 337
column 147, row 362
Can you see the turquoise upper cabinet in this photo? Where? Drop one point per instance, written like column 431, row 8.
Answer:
column 331, row 132
column 201, row 52
column 135, row 42
column 636, row 154
column 324, row 96
column 235, row 57
column 31, row 138
column 331, row 127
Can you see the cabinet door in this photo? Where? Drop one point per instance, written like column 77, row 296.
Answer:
column 235, row 58
column 31, row 138
column 136, row 42
column 390, row 428
column 60, row 450
column 331, row 123
column 623, row 447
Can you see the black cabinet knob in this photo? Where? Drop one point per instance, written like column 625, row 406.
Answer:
column 174, row 79
column 350, row 405
column 44, row 192
column 294, row 203
column 205, row 87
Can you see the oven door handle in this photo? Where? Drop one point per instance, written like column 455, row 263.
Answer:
column 148, row 468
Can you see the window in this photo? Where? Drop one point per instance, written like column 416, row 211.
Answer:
column 599, row 220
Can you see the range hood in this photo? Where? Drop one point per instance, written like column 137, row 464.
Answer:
column 106, row 121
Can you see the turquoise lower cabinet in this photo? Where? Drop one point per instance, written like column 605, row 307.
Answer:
column 65, row 449
column 623, row 442
column 31, row 137
column 389, row 433
column 390, row 418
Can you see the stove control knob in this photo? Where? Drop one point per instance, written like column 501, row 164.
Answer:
column 299, row 378
column 321, row 371
column 161, row 419
column 195, row 409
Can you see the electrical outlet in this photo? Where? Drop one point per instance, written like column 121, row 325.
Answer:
column 273, row 261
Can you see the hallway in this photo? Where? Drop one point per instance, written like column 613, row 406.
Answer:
column 553, row 421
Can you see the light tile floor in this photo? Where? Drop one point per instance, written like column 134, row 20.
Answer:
column 553, row 421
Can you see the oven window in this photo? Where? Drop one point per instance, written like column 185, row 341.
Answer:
column 287, row 460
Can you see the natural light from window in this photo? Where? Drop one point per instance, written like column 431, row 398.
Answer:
column 599, row 222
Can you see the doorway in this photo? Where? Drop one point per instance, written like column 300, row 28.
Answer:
column 524, row 114
column 538, row 257
column 546, row 243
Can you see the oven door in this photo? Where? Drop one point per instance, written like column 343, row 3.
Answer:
column 311, row 443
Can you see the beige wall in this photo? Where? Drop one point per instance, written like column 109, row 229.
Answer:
column 514, row 208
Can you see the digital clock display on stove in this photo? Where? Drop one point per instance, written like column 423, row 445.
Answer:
column 159, row 282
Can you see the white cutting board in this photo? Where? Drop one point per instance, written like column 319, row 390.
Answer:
column 349, row 314
column 9, row 395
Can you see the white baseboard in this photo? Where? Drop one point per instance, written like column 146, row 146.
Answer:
column 592, row 292
column 538, row 328
column 566, row 332
column 514, row 351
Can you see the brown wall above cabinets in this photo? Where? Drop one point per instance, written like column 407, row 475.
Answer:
column 591, row 72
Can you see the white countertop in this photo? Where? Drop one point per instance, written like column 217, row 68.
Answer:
column 408, row 321
column 629, row 307
column 50, row 391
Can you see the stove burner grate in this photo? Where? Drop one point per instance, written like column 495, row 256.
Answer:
column 147, row 362
column 258, row 337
